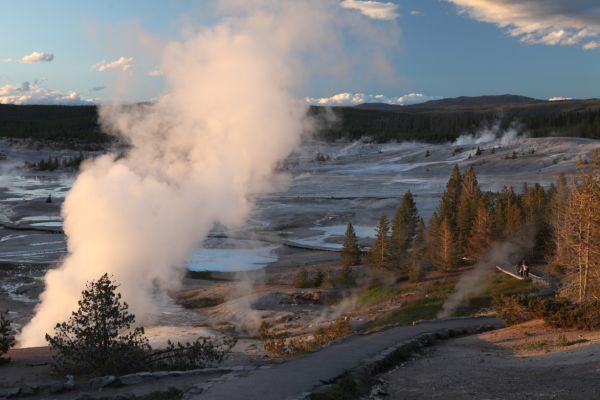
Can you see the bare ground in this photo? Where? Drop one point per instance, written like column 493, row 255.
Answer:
column 527, row 361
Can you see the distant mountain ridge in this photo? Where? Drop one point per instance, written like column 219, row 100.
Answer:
column 456, row 102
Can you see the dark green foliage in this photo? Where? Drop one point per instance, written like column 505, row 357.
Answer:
column 380, row 253
column 418, row 254
column 7, row 339
column 443, row 124
column 73, row 126
column 304, row 280
column 100, row 338
column 404, row 228
column 346, row 277
column 557, row 312
column 350, row 250
column 319, row 278
column 448, row 206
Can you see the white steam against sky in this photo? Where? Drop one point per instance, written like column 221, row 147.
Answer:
column 198, row 155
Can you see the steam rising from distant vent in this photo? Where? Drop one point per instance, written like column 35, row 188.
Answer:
column 199, row 155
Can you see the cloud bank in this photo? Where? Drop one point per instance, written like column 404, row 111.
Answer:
column 122, row 63
column 373, row 9
column 37, row 56
column 549, row 22
column 33, row 93
column 352, row 99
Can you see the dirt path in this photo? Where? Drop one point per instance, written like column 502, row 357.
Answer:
column 291, row 379
column 513, row 363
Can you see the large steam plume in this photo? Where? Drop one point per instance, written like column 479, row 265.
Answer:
column 198, row 156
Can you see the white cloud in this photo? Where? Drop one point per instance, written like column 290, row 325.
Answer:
column 415, row 12
column 373, row 9
column 550, row 22
column 559, row 98
column 122, row 63
column 32, row 93
column 37, row 56
column 352, row 99
column 7, row 60
column 591, row 45
column 155, row 72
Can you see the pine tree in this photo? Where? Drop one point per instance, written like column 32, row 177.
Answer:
column 350, row 250
column 418, row 266
column 557, row 220
column 433, row 239
column 99, row 337
column 7, row 339
column 404, row 228
column 380, row 253
column 302, row 279
column 481, row 231
column 446, row 255
column 448, row 206
column 469, row 198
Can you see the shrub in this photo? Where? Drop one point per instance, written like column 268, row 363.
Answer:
column 304, row 280
column 513, row 309
column 99, row 338
column 7, row 339
column 556, row 312
column 199, row 354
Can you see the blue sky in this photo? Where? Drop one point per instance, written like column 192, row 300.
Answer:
column 446, row 48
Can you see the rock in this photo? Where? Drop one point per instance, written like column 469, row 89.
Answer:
column 9, row 393
column 101, row 382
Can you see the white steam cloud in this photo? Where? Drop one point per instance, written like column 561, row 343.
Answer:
column 198, row 156
column 490, row 135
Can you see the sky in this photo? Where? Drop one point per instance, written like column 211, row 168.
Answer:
column 82, row 52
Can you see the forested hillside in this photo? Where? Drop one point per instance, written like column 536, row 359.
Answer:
column 444, row 121
column 435, row 121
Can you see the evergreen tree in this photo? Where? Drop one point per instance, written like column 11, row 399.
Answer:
column 99, row 337
column 557, row 220
column 433, row 239
column 469, row 198
column 350, row 250
column 302, row 280
column 7, row 339
column 404, row 228
column 418, row 266
column 448, row 206
column 481, row 231
column 446, row 255
column 380, row 253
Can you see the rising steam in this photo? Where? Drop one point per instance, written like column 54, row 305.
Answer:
column 197, row 156
column 473, row 282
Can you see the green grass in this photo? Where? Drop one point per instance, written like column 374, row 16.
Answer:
column 427, row 307
column 378, row 294
column 499, row 284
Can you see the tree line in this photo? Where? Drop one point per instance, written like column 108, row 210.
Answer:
column 443, row 125
column 561, row 221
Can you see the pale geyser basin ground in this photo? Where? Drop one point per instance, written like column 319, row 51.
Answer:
column 357, row 183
